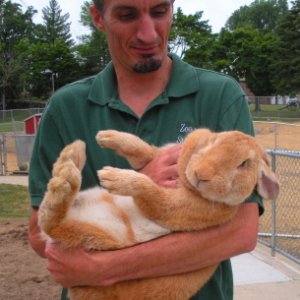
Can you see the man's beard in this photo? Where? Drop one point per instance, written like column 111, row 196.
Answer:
column 149, row 65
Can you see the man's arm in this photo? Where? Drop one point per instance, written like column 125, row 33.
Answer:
column 34, row 234
column 172, row 254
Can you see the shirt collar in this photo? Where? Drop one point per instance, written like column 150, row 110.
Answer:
column 103, row 88
column 184, row 81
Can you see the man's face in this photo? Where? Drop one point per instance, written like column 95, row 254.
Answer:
column 137, row 32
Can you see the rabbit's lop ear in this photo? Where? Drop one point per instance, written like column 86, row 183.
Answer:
column 268, row 185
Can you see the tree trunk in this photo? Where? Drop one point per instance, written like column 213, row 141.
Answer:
column 257, row 104
column 3, row 99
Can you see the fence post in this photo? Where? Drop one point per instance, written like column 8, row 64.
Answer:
column 2, row 155
column 274, row 204
column 276, row 137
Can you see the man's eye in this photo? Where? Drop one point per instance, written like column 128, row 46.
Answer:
column 127, row 16
column 158, row 13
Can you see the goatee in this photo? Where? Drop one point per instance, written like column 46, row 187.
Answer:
column 149, row 65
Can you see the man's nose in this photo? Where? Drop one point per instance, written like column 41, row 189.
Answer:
column 146, row 31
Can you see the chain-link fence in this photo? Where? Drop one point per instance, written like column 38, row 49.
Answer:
column 15, row 153
column 283, row 136
column 7, row 116
column 15, row 144
column 280, row 224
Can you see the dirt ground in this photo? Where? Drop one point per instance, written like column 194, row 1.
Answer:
column 22, row 273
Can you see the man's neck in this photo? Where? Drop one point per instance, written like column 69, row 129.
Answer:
column 139, row 90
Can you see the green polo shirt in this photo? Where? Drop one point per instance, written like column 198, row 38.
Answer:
column 193, row 98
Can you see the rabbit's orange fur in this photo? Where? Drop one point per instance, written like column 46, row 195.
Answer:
column 217, row 171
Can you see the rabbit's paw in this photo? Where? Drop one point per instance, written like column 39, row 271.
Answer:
column 119, row 181
column 109, row 139
column 73, row 153
column 67, row 181
column 67, row 169
column 137, row 152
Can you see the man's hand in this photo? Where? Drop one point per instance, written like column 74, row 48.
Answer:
column 163, row 168
column 75, row 267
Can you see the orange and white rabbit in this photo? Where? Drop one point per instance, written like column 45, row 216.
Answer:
column 217, row 172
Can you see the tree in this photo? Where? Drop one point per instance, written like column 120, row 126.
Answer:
column 191, row 38
column 50, row 61
column 14, row 26
column 245, row 47
column 93, row 49
column 47, row 64
column 245, row 54
column 9, row 68
column 56, row 26
column 260, row 14
column 286, row 65
column 234, row 51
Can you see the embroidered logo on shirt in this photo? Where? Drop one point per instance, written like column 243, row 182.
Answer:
column 184, row 129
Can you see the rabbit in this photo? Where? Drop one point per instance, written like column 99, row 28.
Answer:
column 217, row 172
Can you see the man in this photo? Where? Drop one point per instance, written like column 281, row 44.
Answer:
column 152, row 94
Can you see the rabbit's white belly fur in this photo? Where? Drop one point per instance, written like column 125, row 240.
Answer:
column 90, row 207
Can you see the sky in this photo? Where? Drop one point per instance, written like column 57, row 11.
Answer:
column 215, row 11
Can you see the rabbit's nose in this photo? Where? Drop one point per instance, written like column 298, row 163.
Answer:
column 205, row 173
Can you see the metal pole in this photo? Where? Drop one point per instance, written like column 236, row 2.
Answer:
column 2, row 155
column 273, row 240
column 276, row 135
column 53, row 83
column 5, row 153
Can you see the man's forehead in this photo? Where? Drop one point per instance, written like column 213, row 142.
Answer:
column 136, row 3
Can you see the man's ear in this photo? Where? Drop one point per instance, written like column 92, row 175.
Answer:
column 97, row 18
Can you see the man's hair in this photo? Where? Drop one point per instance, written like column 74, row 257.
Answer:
column 99, row 5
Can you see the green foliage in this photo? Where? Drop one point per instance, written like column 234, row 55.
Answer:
column 93, row 50
column 233, row 51
column 252, row 40
column 286, row 65
column 14, row 201
column 260, row 44
column 14, row 26
column 245, row 53
column 56, row 26
column 191, row 38
column 260, row 14
column 46, row 60
column 85, row 17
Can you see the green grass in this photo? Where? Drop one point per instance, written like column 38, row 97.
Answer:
column 14, row 201
column 275, row 113
column 6, row 127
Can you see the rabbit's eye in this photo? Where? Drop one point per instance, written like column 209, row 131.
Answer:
column 244, row 164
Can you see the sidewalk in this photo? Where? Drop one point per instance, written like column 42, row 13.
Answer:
column 257, row 275
column 14, row 179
